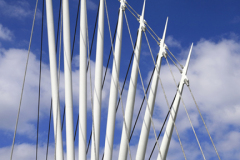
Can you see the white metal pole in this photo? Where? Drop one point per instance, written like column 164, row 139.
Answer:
column 114, row 87
column 169, row 129
column 151, row 101
column 131, row 92
column 54, row 82
column 83, row 83
column 98, row 84
column 68, row 81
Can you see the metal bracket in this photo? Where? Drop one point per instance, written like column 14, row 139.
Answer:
column 186, row 81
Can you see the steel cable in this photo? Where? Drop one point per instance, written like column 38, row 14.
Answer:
column 40, row 70
column 19, row 108
column 204, row 123
column 175, row 58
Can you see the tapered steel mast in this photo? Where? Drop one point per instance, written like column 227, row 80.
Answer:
column 98, row 85
column 142, row 145
column 68, row 81
column 173, row 114
column 83, row 82
column 131, row 91
column 114, row 87
column 54, row 82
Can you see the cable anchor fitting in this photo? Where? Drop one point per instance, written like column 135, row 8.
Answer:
column 123, row 5
column 186, row 81
column 164, row 52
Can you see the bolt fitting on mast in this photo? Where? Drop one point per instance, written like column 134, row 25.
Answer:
column 164, row 52
column 142, row 23
column 123, row 5
column 186, row 81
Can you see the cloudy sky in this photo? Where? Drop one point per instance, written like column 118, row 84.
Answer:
column 214, row 70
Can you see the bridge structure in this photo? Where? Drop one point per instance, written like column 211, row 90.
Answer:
column 115, row 92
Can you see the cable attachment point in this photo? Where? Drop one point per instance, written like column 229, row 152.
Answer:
column 166, row 47
column 123, row 5
column 180, row 71
column 186, row 81
column 143, row 28
column 165, row 54
column 181, row 66
column 142, row 24
column 145, row 22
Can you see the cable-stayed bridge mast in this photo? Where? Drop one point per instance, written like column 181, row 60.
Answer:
column 115, row 90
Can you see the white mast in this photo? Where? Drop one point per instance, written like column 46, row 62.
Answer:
column 131, row 91
column 98, row 85
column 54, row 82
column 83, row 83
column 114, row 87
column 68, row 81
column 151, row 101
column 173, row 114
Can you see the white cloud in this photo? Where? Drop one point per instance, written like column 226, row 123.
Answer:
column 20, row 9
column 91, row 5
column 236, row 19
column 5, row 33
column 12, row 68
column 171, row 42
column 27, row 151
column 214, row 73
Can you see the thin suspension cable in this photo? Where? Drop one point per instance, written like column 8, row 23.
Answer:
column 153, row 31
column 142, row 83
column 19, row 108
column 75, row 31
column 152, row 36
column 187, row 113
column 204, row 123
column 165, row 120
column 129, row 151
column 169, row 109
column 90, row 76
column 59, row 16
column 59, row 64
column 132, row 9
column 125, row 79
column 165, row 99
column 175, row 58
column 132, row 13
column 40, row 70
column 175, row 64
column 142, row 104
column 49, row 126
column 94, row 33
column 109, row 55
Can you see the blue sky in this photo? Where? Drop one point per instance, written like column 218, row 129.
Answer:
column 214, row 73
